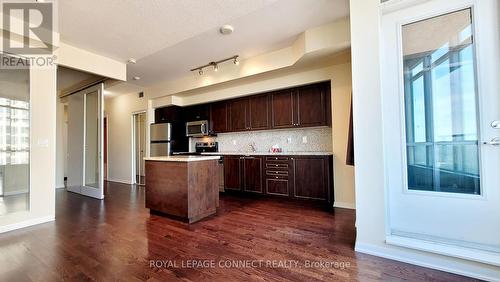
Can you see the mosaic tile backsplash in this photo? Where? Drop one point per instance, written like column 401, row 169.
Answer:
column 318, row 139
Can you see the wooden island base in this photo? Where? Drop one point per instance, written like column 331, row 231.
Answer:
column 185, row 190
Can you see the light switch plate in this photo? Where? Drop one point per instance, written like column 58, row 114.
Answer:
column 304, row 139
column 234, row 142
column 289, row 140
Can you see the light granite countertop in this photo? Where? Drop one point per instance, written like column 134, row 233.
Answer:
column 182, row 158
column 269, row 154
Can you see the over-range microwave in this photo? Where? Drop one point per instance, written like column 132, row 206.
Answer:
column 197, row 128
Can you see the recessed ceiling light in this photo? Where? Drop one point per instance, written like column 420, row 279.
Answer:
column 226, row 29
column 136, row 78
column 132, row 61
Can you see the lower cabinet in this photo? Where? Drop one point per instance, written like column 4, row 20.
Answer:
column 295, row 177
column 311, row 178
column 232, row 173
column 243, row 173
column 252, row 174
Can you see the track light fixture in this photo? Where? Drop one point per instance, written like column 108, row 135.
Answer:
column 215, row 65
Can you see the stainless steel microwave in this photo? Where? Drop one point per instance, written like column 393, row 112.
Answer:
column 197, row 128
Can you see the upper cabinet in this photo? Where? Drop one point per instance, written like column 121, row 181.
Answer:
column 304, row 106
column 258, row 113
column 196, row 112
column 249, row 113
column 238, row 114
column 282, row 109
column 313, row 105
column 219, row 117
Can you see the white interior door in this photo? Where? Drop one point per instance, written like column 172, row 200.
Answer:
column 441, row 106
column 85, row 142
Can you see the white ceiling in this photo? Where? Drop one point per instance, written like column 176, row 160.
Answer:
column 169, row 37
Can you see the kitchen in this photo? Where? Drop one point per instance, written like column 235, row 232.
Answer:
column 274, row 144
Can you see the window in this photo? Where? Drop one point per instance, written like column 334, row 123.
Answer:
column 14, row 140
column 440, row 104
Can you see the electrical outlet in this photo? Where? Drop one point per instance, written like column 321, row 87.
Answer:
column 289, row 140
column 304, row 139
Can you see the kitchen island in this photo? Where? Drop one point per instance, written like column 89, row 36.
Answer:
column 182, row 187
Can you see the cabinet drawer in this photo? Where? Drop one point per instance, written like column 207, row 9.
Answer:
column 278, row 159
column 277, row 187
column 277, row 172
column 276, row 165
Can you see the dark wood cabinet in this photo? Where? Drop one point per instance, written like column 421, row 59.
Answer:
column 295, row 177
column 311, row 106
column 243, row 173
column 305, row 106
column 238, row 114
column 172, row 114
column 279, row 175
column 250, row 113
column 232, row 172
column 282, row 109
column 258, row 112
column 252, row 174
column 196, row 112
column 219, row 117
column 311, row 177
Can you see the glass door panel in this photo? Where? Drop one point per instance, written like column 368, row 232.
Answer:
column 441, row 105
column 92, row 139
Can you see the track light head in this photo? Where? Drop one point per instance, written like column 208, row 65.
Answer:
column 236, row 61
column 216, row 67
column 200, row 71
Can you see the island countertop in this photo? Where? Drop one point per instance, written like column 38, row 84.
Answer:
column 182, row 158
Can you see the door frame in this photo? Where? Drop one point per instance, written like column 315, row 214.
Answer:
column 134, row 160
column 394, row 124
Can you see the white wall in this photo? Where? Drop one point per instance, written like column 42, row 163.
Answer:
column 119, row 110
column 371, row 203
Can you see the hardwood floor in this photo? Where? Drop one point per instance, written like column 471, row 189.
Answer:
column 117, row 238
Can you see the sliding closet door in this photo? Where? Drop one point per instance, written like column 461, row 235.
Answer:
column 85, row 142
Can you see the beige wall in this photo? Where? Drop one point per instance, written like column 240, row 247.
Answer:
column 119, row 111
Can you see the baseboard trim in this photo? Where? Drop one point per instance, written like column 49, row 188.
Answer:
column 344, row 205
column 395, row 255
column 26, row 223
column 119, row 181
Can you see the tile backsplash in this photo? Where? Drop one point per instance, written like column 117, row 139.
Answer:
column 318, row 139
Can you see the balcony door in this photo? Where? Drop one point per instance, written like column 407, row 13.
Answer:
column 85, row 142
column 442, row 127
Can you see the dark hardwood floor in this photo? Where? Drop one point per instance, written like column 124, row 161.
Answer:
column 117, row 238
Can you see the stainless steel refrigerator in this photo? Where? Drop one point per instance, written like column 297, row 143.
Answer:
column 161, row 139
